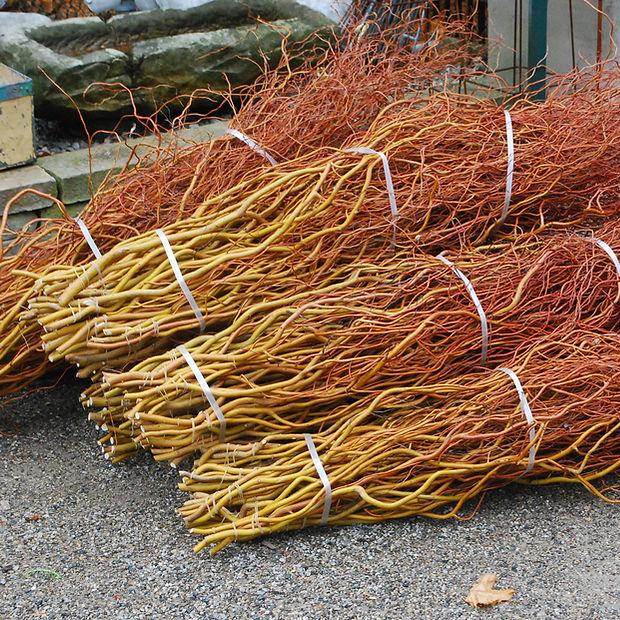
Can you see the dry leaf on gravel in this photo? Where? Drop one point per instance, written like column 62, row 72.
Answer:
column 484, row 594
column 33, row 518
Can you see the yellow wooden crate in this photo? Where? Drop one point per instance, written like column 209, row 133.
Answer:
column 16, row 119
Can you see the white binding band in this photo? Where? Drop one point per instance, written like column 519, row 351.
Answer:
column 206, row 390
column 388, row 182
column 607, row 249
column 327, row 506
column 484, row 324
column 511, row 167
column 89, row 238
column 180, row 279
column 527, row 412
column 253, row 145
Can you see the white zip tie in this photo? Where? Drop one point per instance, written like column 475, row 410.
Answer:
column 206, row 389
column 322, row 475
column 607, row 249
column 253, row 145
column 388, row 181
column 180, row 279
column 527, row 412
column 484, row 324
column 89, row 238
column 511, row 167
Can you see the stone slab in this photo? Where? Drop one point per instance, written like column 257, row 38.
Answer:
column 228, row 56
column 195, row 134
column 18, row 220
column 54, row 212
column 17, row 179
column 15, row 223
column 19, row 21
column 160, row 55
column 73, row 176
column 78, row 176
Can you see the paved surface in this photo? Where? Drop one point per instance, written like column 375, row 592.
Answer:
column 117, row 550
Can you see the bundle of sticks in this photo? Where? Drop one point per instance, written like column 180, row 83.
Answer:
column 317, row 348
column 422, row 450
column 402, row 321
column 430, row 175
column 384, row 322
column 305, row 105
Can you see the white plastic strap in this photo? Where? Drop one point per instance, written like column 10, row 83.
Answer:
column 527, row 412
column 206, row 390
column 388, row 181
column 484, row 324
column 511, row 167
column 180, row 279
column 322, row 475
column 255, row 147
column 89, row 238
column 607, row 249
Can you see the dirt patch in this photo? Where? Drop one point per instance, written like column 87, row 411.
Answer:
column 56, row 9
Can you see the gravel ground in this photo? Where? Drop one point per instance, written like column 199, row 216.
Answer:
column 54, row 136
column 80, row 538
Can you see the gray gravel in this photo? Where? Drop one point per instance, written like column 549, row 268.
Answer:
column 118, row 551
column 54, row 136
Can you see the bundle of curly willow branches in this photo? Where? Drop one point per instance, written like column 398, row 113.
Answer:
column 290, row 112
column 422, row 450
column 286, row 365
column 307, row 220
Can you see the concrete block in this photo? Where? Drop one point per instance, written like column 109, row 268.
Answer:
column 17, row 179
column 200, row 133
column 54, row 212
column 193, row 134
column 16, row 222
column 79, row 176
